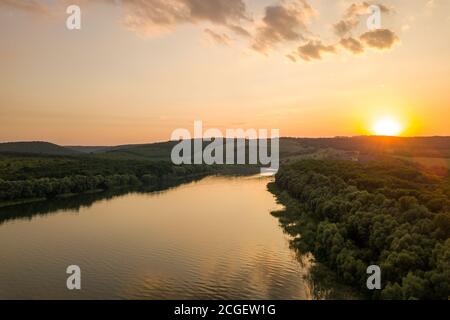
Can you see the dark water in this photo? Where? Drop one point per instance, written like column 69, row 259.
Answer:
column 214, row 238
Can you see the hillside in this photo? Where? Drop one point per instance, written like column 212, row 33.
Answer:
column 89, row 149
column 436, row 147
column 35, row 147
column 361, row 148
column 345, row 148
column 151, row 151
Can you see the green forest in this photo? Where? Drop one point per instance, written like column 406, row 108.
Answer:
column 351, row 215
column 31, row 177
column 25, row 178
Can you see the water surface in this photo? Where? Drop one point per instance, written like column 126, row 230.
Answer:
column 211, row 239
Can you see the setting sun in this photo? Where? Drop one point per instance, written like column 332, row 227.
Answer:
column 387, row 127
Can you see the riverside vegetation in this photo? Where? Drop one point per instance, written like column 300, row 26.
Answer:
column 29, row 178
column 350, row 215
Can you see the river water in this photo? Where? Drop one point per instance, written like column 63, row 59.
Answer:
column 210, row 239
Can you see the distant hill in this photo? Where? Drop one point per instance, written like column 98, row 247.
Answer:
column 431, row 147
column 151, row 151
column 437, row 147
column 90, row 149
column 35, row 147
column 135, row 151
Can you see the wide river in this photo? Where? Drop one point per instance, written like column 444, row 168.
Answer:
column 210, row 239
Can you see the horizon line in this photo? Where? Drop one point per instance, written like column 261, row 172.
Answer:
column 165, row 141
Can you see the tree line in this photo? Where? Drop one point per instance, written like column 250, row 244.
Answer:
column 24, row 177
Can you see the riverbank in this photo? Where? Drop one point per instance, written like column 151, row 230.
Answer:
column 323, row 281
column 353, row 215
column 32, row 178
column 137, row 185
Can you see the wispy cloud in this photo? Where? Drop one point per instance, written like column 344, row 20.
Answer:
column 313, row 50
column 352, row 16
column 220, row 38
column 26, row 5
column 352, row 45
column 379, row 39
column 152, row 17
column 284, row 22
column 283, row 25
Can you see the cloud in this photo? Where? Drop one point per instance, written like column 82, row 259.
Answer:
column 280, row 24
column 30, row 6
column 352, row 16
column 220, row 38
column 283, row 22
column 380, row 39
column 352, row 45
column 359, row 9
column 345, row 26
column 152, row 17
column 313, row 50
column 217, row 11
column 292, row 57
column 239, row 30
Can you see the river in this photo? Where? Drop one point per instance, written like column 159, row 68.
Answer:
column 210, row 239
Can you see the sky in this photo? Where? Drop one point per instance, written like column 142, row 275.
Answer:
column 138, row 70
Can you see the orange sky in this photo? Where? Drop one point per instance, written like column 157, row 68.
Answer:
column 131, row 75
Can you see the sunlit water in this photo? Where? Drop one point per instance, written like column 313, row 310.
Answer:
column 212, row 239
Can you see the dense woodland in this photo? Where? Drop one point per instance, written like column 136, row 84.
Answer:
column 44, row 177
column 31, row 177
column 351, row 215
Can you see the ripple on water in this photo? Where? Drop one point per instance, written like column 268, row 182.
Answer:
column 213, row 239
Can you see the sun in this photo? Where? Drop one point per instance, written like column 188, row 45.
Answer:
column 387, row 127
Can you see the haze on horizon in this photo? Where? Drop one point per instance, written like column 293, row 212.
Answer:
column 137, row 70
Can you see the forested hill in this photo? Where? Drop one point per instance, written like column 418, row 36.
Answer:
column 402, row 146
column 35, row 147
column 432, row 147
